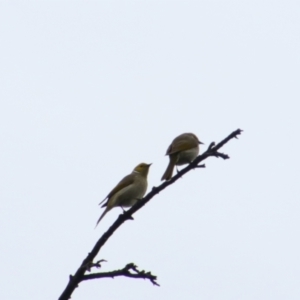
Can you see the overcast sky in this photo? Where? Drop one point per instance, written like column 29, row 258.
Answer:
column 89, row 89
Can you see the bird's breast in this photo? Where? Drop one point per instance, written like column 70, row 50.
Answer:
column 187, row 156
column 129, row 195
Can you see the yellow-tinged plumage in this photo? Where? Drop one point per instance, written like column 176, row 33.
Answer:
column 128, row 191
column 183, row 150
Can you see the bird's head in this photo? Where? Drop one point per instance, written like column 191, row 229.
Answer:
column 142, row 168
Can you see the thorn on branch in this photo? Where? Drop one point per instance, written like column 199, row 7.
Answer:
column 125, row 216
column 88, row 266
column 153, row 189
column 212, row 144
column 201, row 166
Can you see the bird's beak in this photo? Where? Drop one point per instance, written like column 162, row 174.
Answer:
column 201, row 143
column 149, row 165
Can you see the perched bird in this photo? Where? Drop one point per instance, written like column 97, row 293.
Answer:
column 128, row 191
column 183, row 150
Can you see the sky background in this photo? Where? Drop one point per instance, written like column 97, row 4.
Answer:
column 89, row 89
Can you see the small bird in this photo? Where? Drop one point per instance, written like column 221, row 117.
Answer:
column 128, row 191
column 183, row 150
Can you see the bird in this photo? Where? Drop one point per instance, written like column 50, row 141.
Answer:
column 183, row 150
column 128, row 191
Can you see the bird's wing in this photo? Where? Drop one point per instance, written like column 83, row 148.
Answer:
column 181, row 144
column 126, row 181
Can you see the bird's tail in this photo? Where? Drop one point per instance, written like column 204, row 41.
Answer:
column 103, row 201
column 169, row 171
column 103, row 214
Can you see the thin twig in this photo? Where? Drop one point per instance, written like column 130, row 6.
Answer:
column 130, row 270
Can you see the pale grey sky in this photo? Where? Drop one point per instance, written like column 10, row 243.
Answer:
column 89, row 89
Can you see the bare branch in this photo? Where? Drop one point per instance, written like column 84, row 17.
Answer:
column 212, row 151
column 130, row 270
